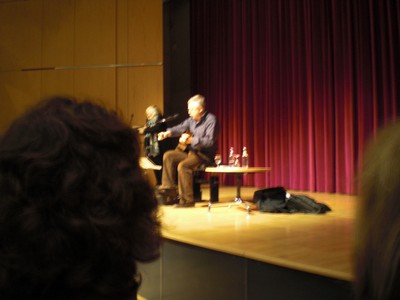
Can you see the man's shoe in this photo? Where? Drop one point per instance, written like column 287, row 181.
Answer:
column 185, row 204
column 172, row 200
column 167, row 190
column 167, row 196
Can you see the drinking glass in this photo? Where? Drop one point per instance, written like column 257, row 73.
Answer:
column 237, row 161
column 218, row 159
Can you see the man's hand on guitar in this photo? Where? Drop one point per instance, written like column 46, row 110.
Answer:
column 184, row 141
column 163, row 135
column 185, row 138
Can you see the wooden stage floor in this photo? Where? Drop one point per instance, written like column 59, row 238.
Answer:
column 318, row 244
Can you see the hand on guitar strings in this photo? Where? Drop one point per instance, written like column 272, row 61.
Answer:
column 185, row 138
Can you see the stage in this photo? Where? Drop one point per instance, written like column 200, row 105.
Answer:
column 253, row 255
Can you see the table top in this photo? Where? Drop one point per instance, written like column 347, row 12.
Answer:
column 233, row 170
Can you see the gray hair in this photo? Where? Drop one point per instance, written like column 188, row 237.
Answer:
column 199, row 99
column 154, row 109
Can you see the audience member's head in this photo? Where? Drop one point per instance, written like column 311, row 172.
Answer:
column 76, row 214
column 377, row 235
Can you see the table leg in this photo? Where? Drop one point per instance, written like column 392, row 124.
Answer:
column 238, row 199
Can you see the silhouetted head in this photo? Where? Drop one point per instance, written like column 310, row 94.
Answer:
column 76, row 214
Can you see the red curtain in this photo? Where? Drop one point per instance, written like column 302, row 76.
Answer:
column 303, row 84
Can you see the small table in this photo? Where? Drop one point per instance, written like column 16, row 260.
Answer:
column 239, row 172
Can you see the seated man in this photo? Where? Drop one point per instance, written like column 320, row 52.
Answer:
column 197, row 144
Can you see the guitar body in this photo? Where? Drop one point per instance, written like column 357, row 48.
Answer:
column 182, row 146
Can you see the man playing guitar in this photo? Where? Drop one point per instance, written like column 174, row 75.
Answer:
column 197, row 144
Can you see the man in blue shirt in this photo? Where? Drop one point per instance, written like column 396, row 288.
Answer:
column 197, row 145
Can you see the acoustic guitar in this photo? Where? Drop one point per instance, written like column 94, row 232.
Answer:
column 182, row 146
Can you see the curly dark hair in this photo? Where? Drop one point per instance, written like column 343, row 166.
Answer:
column 377, row 226
column 76, row 213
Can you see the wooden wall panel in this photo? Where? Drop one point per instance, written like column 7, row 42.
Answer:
column 145, row 31
column 20, row 32
column 139, row 31
column 122, row 58
column 122, row 91
column 70, row 43
column 18, row 91
column 96, row 84
column 145, row 88
column 122, row 32
column 95, row 32
column 60, row 82
column 58, row 33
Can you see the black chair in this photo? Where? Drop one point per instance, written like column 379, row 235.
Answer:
column 200, row 177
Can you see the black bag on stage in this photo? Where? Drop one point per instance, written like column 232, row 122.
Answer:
column 271, row 199
column 276, row 200
column 305, row 204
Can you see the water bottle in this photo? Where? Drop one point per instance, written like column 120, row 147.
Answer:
column 245, row 158
column 231, row 160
